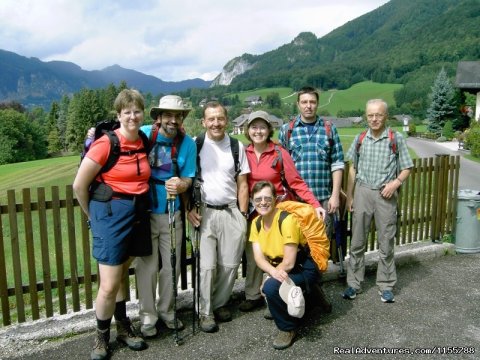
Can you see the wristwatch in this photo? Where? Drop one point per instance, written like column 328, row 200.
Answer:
column 245, row 214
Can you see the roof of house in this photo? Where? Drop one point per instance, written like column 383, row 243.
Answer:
column 468, row 76
column 253, row 98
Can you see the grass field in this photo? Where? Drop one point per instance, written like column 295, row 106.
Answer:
column 353, row 98
column 40, row 173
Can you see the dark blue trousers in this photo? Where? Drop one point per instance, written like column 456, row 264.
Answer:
column 303, row 275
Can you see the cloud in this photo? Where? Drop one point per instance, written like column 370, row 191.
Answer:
column 173, row 40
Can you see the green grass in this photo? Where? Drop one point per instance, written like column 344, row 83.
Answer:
column 353, row 98
column 356, row 97
column 282, row 91
column 39, row 173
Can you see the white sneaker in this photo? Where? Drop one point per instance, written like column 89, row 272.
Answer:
column 149, row 330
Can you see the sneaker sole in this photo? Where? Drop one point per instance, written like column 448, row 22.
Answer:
column 385, row 300
column 349, row 297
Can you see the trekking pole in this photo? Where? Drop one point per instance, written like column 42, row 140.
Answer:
column 173, row 261
column 337, row 222
column 196, row 258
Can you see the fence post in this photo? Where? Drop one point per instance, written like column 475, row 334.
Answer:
column 439, row 196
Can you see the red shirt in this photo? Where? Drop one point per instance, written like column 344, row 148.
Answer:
column 261, row 169
column 125, row 176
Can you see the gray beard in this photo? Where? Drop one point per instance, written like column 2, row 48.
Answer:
column 171, row 132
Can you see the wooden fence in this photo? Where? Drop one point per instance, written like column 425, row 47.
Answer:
column 46, row 266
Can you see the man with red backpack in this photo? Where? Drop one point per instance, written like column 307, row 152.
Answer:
column 172, row 161
column 380, row 165
column 315, row 148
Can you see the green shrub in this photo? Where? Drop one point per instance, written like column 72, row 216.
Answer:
column 412, row 129
column 472, row 139
column 441, row 139
column 448, row 130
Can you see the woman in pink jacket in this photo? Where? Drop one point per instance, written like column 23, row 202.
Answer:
column 267, row 161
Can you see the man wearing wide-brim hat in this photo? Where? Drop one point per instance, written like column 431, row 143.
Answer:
column 167, row 134
column 172, row 103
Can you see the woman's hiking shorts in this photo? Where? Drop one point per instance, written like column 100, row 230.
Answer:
column 120, row 228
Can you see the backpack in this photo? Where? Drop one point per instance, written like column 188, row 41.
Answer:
column 194, row 193
column 174, row 149
column 107, row 127
column 234, row 147
column 174, row 146
column 313, row 229
column 328, row 130
column 392, row 137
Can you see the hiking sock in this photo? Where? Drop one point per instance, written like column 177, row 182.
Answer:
column 103, row 324
column 120, row 310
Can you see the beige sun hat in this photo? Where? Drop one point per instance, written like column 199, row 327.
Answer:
column 260, row 114
column 171, row 103
column 293, row 297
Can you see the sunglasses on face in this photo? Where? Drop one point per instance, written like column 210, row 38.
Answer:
column 266, row 199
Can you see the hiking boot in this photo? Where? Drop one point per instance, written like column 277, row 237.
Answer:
column 249, row 305
column 267, row 314
column 284, row 339
column 350, row 293
column 100, row 346
column 320, row 298
column 149, row 330
column 126, row 334
column 208, row 324
column 171, row 324
column 222, row 314
column 387, row 296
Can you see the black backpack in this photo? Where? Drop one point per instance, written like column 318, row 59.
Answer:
column 107, row 127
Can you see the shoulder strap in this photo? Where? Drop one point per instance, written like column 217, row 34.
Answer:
column 288, row 134
column 357, row 147
column 114, row 153
column 281, row 217
column 199, row 140
column 328, row 132
column 235, row 148
column 283, row 179
column 146, row 143
column 258, row 223
column 153, row 135
column 392, row 136
column 177, row 141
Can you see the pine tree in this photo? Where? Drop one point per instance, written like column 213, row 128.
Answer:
column 442, row 106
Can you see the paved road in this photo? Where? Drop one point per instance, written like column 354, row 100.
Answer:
column 469, row 170
column 437, row 306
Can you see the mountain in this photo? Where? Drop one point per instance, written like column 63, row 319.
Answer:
column 36, row 83
column 403, row 41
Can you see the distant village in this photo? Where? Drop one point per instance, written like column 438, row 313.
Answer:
column 250, row 102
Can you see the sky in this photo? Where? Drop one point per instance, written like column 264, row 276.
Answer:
column 173, row 40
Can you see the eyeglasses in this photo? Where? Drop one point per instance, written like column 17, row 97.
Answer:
column 375, row 116
column 266, row 199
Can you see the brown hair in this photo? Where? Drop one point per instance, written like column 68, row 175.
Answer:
column 307, row 90
column 263, row 184
column 128, row 97
column 214, row 104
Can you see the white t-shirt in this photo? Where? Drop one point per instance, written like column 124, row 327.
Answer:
column 218, row 170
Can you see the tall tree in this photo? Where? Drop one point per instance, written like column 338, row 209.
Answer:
column 20, row 138
column 442, row 105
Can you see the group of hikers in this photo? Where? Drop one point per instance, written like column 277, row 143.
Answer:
column 134, row 181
